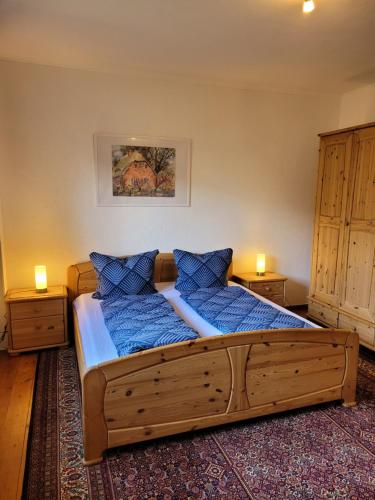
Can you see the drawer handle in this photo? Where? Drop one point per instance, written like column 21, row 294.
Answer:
column 51, row 327
column 36, row 311
column 38, row 327
column 267, row 288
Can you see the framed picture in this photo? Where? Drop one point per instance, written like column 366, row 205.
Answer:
column 142, row 171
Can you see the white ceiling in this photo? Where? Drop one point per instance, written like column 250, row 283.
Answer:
column 245, row 43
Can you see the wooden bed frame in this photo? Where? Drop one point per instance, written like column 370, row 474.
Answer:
column 210, row 381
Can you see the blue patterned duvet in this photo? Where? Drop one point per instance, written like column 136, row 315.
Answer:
column 233, row 309
column 138, row 322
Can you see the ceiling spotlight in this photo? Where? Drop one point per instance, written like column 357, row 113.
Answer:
column 308, row 6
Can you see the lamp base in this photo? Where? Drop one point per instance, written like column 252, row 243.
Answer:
column 41, row 290
column 261, row 274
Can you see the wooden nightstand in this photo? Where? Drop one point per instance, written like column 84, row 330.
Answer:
column 37, row 320
column 271, row 285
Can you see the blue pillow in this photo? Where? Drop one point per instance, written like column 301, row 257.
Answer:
column 206, row 270
column 124, row 276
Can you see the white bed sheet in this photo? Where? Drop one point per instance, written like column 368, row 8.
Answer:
column 97, row 344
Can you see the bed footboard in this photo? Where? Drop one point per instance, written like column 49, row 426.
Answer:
column 211, row 381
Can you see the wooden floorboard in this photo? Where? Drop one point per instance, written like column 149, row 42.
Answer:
column 17, row 375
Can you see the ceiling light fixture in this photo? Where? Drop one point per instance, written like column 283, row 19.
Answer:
column 308, row 6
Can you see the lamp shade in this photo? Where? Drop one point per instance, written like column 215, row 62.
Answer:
column 308, row 6
column 261, row 264
column 40, row 278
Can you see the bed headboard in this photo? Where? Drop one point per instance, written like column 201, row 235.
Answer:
column 82, row 277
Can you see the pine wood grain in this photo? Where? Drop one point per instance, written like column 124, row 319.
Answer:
column 270, row 285
column 192, row 386
column 16, row 393
column 348, row 129
column 119, row 437
column 22, row 310
column 343, row 258
column 30, row 294
column 331, row 197
column 37, row 320
column 210, row 381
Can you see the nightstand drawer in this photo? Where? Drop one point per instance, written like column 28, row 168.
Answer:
column 36, row 309
column 268, row 289
column 278, row 299
column 34, row 332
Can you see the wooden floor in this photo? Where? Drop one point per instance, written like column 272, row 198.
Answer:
column 301, row 310
column 17, row 376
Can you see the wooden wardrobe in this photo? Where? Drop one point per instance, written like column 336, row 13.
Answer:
column 342, row 291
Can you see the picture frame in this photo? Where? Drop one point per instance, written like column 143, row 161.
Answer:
column 142, row 171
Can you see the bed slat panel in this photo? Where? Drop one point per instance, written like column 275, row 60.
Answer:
column 225, row 380
column 117, row 437
column 192, row 387
column 271, row 377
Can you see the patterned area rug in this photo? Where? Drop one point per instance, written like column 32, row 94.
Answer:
column 322, row 452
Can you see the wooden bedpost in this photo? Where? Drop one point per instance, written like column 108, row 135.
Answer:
column 95, row 432
column 350, row 378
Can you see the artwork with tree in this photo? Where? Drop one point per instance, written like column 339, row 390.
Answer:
column 143, row 171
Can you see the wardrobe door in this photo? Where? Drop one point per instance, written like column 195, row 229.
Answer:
column 358, row 287
column 334, row 164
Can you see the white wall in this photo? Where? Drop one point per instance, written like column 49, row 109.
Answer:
column 3, row 337
column 2, row 289
column 253, row 167
column 357, row 106
column 3, row 161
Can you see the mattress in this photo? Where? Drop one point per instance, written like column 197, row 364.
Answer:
column 96, row 341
